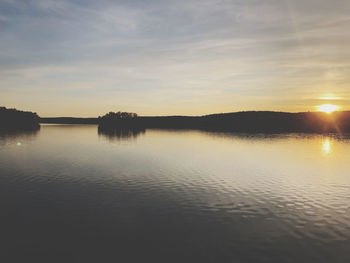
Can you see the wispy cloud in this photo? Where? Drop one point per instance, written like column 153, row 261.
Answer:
column 169, row 57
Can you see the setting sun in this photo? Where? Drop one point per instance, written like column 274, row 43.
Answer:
column 327, row 108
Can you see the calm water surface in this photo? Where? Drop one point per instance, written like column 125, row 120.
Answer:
column 71, row 194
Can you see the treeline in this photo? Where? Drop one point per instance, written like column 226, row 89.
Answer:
column 250, row 122
column 12, row 120
column 69, row 120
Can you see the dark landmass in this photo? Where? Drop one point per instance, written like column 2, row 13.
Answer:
column 69, row 120
column 13, row 120
column 249, row 122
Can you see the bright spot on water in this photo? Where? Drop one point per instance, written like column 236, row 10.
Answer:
column 19, row 144
column 326, row 147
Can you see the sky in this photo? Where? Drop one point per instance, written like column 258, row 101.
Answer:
column 173, row 57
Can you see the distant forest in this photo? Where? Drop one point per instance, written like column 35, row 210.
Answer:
column 250, row 122
column 247, row 122
column 12, row 120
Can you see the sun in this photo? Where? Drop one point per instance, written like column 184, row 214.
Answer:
column 327, row 108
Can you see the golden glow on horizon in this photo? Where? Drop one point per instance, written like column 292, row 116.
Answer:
column 329, row 98
column 327, row 108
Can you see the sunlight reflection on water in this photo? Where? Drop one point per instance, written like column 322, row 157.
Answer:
column 326, row 146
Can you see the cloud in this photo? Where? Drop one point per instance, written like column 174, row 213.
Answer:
column 247, row 53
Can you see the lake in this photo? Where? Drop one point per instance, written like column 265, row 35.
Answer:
column 72, row 194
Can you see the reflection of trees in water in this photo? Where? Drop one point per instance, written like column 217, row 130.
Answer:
column 18, row 135
column 122, row 133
